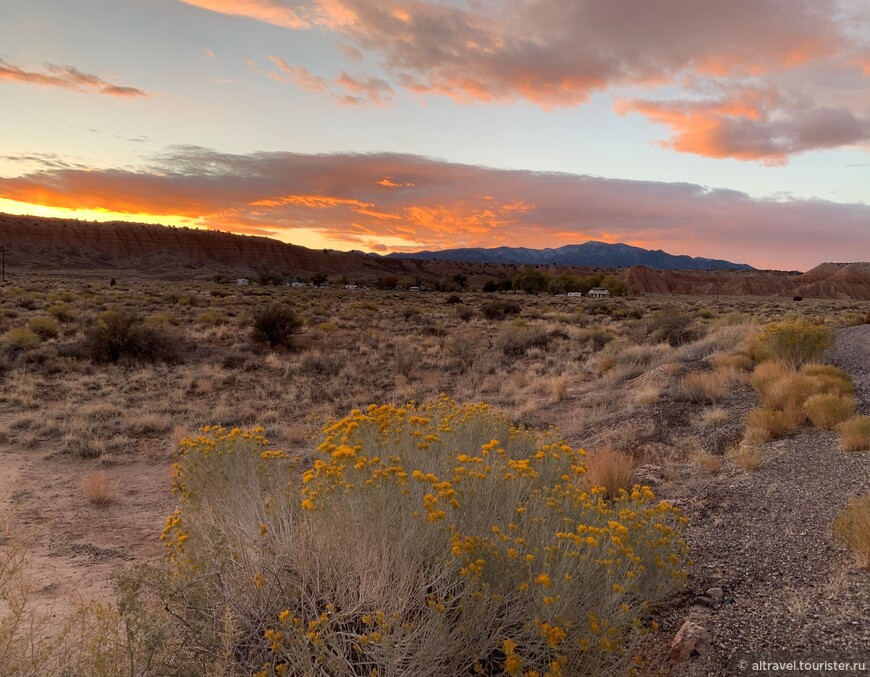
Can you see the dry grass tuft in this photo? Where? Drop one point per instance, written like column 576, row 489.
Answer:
column 610, row 469
column 855, row 434
column 98, row 488
column 711, row 463
column 852, row 526
column 747, row 457
column 647, row 395
column 714, row 416
column 826, row 411
column 705, row 387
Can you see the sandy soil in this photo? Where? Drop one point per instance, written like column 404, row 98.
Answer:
column 72, row 546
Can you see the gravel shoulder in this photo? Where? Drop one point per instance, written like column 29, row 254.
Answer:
column 790, row 590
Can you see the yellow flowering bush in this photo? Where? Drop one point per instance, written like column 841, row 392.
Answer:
column 431, row 539
column 796, row 342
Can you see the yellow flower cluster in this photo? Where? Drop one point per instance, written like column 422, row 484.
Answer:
column 508, row 521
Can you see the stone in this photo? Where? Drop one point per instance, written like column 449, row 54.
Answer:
column 689, row 641
column 715, row 594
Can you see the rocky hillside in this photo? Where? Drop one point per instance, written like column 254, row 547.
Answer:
column 39, row 244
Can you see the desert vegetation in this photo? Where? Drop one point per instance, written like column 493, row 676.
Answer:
column 507, row 521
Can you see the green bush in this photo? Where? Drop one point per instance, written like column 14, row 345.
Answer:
column 62, row 312
column 795, row 343
column 211, row 318
column 122, row 335
column 44, row 327
column 276, row 325
column 427, row 541
column 21, row 338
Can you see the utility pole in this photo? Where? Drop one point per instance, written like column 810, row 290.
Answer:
column 3, row 255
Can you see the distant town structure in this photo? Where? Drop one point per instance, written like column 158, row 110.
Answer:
column 350, row 286
column 243, row 281
column 598, row 293
column 575, row 293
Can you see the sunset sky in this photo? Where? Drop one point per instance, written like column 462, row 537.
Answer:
column 735, row 129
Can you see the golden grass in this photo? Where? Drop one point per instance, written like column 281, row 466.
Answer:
column 825, row 411
column 852, row 526
column 710, row 463
column 713, row 416
column 747, row 457
column 705, row 387
column 735, row 361
column 855, row 434
column 98, row 488
column 610, row 469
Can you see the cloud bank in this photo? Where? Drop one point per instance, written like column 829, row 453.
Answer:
column 812, row 55
column 365, row 200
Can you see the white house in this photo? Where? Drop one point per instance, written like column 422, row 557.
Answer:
column 598, row 293
column 350, row 286
column 242, row 280
column 298, row 284
column 575, row 293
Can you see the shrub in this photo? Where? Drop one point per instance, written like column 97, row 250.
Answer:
column 762, row 423
column 474, row 548
column 44, row 327
column 163, row 318
column 454, row 299
column 852, row 526
column 276, row 325
column 515, row 341
column 669, row 327
column 796, row 342
column 464, row 313
column 499, row 310
column 463, row 349
column 211, row 318
column 21, row 338
column 826, row 411
column 122, row 335
column 855, row 434
column 406, row 358
column 62, row 312
column 321, row 364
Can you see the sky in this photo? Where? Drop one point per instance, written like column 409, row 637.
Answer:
column 735, row 129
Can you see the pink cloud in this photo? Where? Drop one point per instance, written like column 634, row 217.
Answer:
column 66, row 77
column 560, row 52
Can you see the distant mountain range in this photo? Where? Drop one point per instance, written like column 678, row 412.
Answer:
column 592, row 254
column 35, row 245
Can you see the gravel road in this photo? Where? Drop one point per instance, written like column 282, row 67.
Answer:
column 764, row 537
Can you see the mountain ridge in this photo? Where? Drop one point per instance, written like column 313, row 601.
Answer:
column 59, row 246
column 591, row 253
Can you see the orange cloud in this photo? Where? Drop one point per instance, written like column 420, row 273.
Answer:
column 340, row 200
column 66, row 77
column 752, row 124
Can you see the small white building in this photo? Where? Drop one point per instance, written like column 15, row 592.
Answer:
column 298, row 284
column 415, row 289
column 598, row 293
column 350, row 286
column 575, row 293
column 243, row 281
